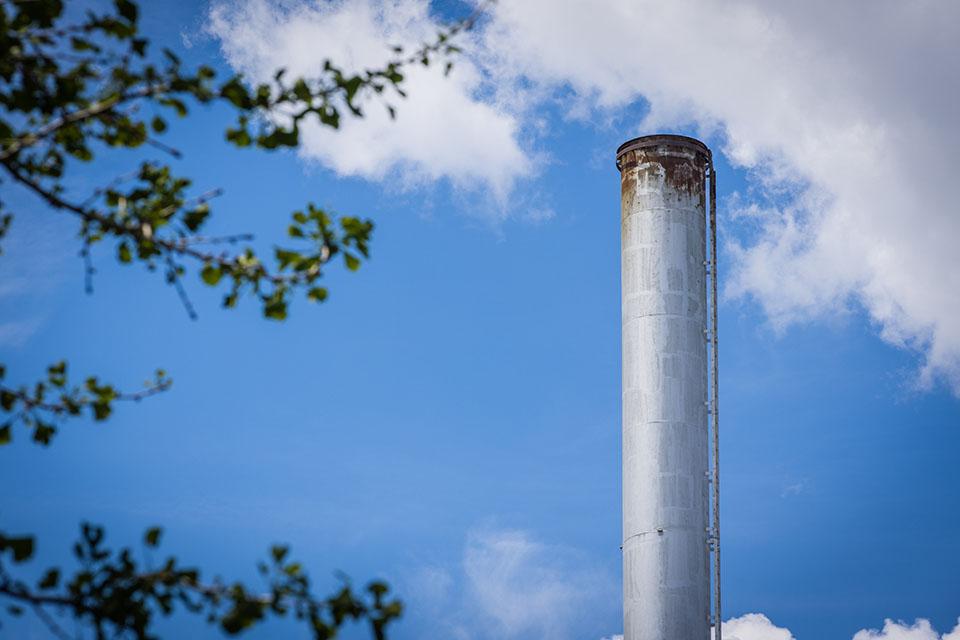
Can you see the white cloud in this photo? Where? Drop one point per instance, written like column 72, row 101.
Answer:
column 756, row 626
column 850, row 105
column 35, row 252
column 794, row 489
column 510, row 585
column 919, row 630
column 444, row 129
column 522, row 584
column 16, row 333
column 843, row 114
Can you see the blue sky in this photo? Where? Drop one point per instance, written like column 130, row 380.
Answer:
column 450, row 419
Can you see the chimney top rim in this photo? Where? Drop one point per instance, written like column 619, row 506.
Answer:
column 667, row 139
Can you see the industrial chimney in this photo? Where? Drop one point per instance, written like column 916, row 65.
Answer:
column 668, row 388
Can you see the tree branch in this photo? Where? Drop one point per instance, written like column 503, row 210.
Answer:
column 143, row 233
column 30, row 403
column 95, row 109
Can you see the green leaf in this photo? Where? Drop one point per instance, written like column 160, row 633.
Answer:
column 101, row 410
column 7, row 399
column 123, row 253
column 211, row 274
column 301, row 90
column 195, row 218
column 244, row 613
column 235, row 93
column 330, row 117
column 21, row 548
column 353, row 263
column 43, row 433
column 5, row 434
column 50, row 579
column 158, row 124
column 178, row 105
column 152, row 536
column 82, row 44
column 127, row 9
column 280, row 137
column 317, row 294
column 275, row 309
column 279, row 552
column 239, row 136
column 139, row 45
column 351, row 87
column 285, row 258
column 57, row 374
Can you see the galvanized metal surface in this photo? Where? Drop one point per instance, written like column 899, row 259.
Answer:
column 666, row 564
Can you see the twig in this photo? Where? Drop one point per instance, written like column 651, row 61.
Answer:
column 174, row 279
column 29, row 403
column 240, row 237
column 153, row 142
column 51, row 624
column 203, row 198
column 34, row 599
column 88, row 269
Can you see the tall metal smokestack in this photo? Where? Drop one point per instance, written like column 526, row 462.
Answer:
column 666, row 451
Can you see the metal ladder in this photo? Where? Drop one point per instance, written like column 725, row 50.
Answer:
column 714, row 399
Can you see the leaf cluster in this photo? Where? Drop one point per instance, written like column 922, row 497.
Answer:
column 119, row 597
column 41, row 406
column 70, row 91
column 67, row 92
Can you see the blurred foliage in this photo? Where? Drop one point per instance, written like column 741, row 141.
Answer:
column 119, row 598
column 38, row 407
column 72, row 90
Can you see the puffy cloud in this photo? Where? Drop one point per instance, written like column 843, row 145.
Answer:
column 754, row 626
column 846, row 109
column 510, row 585
column 841, row 113
column 443, row 130
column 523, row 585
column 919, row 630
